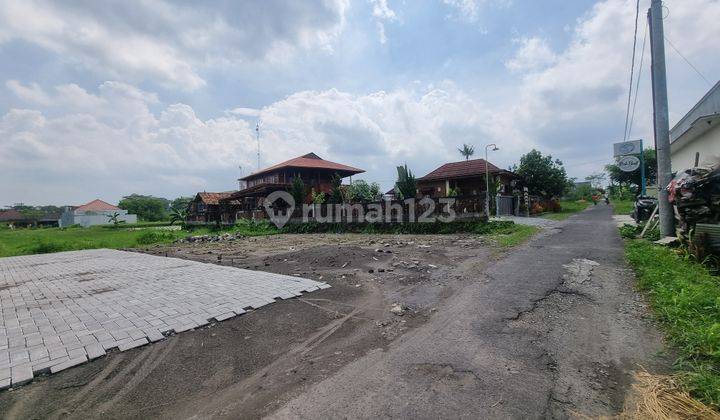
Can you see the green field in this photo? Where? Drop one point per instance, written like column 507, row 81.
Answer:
column 568, row 209
column 686, row 300
column 517, row 235
column 39, row 241
column 622, row 206
column 46, row 240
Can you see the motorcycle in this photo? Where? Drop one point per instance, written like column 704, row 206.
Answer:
column 643, row 207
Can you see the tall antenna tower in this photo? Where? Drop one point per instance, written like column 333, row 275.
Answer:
column 257, row 135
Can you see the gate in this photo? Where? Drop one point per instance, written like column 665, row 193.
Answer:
column 505, row 205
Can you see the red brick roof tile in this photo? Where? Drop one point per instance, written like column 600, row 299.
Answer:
column 212, row 198
column 310, row 160
column 462, row 169
column 97, row 205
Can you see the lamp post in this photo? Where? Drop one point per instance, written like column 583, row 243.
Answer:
column 487, row 178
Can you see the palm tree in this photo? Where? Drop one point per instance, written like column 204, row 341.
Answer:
column 114, row 218
column 178, row 215
column 467, row 151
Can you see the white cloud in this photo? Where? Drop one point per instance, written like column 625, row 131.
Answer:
column 121, row 146
column 382, row 13
column 469, row 10
column 33, row 93
column 168, row 42
column 534, row 54
column 572, row 102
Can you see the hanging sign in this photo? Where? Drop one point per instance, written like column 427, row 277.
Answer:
column 633, row 147
column 628, row 163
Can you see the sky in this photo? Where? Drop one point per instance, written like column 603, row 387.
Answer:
column 106, row 99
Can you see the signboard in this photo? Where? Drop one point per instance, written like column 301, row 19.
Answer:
column 628, row 163
column 633, row 147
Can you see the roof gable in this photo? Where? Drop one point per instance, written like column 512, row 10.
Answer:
column 308, row 161
column 213, row 198
column 11, row 214
column 97, row 205
column 465, row 168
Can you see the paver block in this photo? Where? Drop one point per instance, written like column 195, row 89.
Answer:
column 94, row 351
column 226, row 315
column 57, row 324
column 67, row 364
column 127, row 345
column 21, row 374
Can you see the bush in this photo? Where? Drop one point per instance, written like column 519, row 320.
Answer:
column 46, row 247
column 154, row 236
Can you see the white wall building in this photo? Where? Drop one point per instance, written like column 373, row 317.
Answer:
column 697, row 134
column 96, row 212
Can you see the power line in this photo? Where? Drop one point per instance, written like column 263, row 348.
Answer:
column 632, row 70
column 637, row 84
column 688, row 61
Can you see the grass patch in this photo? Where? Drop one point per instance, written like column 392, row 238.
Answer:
column 568, row 209
column 622, row 206
column 46, row 240
column 686, row 300
column 518, row 235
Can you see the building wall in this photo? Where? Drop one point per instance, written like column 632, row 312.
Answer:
column 468, row 186
column 708, row 144
column 95, row 218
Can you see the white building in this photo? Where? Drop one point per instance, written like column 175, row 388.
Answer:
column 696, row 137
column 96, row 212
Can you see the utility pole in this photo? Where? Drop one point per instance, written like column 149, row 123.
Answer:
column 257, row 136
column 660, row 117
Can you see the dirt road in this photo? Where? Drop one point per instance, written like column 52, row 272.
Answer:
column 549, row 329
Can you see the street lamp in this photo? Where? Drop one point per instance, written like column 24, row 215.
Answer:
column 487, row 178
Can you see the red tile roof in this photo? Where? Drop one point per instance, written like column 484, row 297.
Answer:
column 11, row 215
column 213, row 197
column 312, row 161
column 97, row 205
column 462, row 169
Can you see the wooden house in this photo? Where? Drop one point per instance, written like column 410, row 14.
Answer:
column 466, row 178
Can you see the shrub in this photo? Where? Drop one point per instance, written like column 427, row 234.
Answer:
column 46, row 247
column 154, row 236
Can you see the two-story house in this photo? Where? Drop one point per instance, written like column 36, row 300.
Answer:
column 316, row 173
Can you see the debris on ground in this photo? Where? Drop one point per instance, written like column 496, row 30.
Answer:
column 661, row 397
column 695, row 193
column 210, row 238
column 398, row 309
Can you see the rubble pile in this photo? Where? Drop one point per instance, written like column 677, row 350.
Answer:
column 210, row 238
column 695, row 193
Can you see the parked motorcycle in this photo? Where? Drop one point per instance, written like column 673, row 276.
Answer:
column 643, row 207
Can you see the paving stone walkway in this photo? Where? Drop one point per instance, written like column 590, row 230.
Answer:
column 60, row 310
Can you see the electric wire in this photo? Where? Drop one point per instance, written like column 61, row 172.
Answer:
column 632, row 70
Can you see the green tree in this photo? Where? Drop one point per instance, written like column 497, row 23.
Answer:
column 180, row 203
column 178, row 215
column 542, row 175
column 114, row 219
column 632, row 179
column 146, row 207
column 467, row 150
column 361, row 191
column 317, row 197
column 297, row 190
column 336, row 192
column 406, row 185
